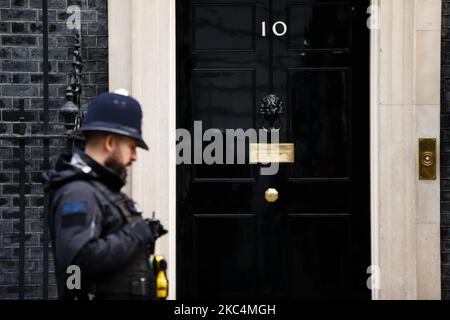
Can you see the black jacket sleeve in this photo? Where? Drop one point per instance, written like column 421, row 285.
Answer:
column 78, row 233
column 113, row 251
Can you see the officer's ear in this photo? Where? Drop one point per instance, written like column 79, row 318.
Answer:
column 110, row 142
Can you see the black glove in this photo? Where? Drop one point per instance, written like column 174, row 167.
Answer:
column 156, row 228
column 140, row 229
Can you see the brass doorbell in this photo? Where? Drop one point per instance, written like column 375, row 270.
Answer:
column 427, row 159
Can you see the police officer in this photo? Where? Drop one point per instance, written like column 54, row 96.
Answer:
column 94, row 226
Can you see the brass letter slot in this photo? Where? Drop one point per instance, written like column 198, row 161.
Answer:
column 271, row 153
column 427, row 159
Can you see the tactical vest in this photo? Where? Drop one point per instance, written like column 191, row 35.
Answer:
column 136, row 279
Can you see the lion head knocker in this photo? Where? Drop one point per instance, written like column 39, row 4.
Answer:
column 271, row 108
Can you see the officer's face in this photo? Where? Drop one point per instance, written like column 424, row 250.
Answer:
column 124, row 151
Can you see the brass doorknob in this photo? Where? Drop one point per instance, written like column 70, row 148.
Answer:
column 271, row 195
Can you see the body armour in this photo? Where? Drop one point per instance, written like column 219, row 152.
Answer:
column 92, row 227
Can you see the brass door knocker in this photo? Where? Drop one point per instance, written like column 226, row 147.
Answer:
column 271, row 107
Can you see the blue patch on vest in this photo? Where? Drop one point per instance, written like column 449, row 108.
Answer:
column 73, row 214
column 74, row 207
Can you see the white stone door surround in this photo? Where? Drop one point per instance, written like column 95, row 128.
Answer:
column 405, row 106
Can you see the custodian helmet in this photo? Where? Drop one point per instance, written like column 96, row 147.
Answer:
column 115, row 113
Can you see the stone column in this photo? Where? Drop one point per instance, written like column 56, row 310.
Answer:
column 142, row 60
column 406, row 242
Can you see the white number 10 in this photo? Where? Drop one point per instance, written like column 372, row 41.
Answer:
column 275, row 28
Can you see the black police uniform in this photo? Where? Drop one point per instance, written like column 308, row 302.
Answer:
column 98, row 228
column 93, row 225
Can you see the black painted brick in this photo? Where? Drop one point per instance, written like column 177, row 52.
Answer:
column 5, row 128
column 19, row 3
column 4, row 3
column 21, row 78
column 5, row 177
column 57, row 28
column 5, row 77
column 5, row 53
column 18, row 15
column 62, row 15
column 51, row 67
column 83, row 4
column 5, row 27
column 21, row 110
column 19, row 27
column 56, row 4
column 20, row 91
column 53, row 54
column 88, row 41
column 20, row 66
column 97, row 28
column 102, row 42
column 19, row 128
column 10, row 213
column 5, row 153
column 20, row 53
column 36, row 27
column 101, row 78
column 19, row 40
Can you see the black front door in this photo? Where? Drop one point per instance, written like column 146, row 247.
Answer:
column 314, row 241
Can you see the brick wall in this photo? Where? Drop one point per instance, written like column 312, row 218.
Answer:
column 445, row 151
column 21, row 109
